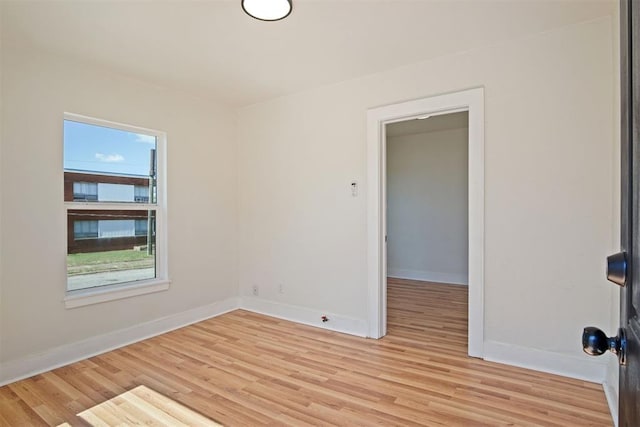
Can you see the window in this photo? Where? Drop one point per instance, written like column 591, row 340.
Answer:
column 141, row 227
column 115, row 203
column 85, row 191
column 141, row 194
column 85, row 229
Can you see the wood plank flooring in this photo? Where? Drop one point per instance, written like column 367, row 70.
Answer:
column 246, row 369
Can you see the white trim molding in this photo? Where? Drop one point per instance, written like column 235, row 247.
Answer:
column 579, row 367
column 60, row 356
column 611, row 394
column 89, row 296
column 611, row 387
column 471, row 100
column 428, row 276
column 306, row 316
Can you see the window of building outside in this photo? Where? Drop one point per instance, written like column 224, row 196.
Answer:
column 85, row 230
column 85, row 191
column 114, row 201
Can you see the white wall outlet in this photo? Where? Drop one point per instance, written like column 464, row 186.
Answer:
column 281, row 288
column 255, row 290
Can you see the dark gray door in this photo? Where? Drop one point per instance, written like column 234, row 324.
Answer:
column 623, row 268
column 629, row 409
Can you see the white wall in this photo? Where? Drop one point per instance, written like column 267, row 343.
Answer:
column 38, row 88
column 549, row 195
column 548, row 190
column 427, row 206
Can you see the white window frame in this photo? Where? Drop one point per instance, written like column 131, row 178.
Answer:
column 83, row 297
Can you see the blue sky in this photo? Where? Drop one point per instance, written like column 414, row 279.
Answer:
column 101, row 149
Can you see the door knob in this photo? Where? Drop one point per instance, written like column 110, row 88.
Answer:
column 617, row 268
column 596, row 343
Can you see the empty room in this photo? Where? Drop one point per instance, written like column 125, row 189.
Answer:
column 319, row 212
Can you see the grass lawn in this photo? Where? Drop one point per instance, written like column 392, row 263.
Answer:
column 95, row 262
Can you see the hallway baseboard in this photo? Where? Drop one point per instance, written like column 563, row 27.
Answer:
column 429, row 276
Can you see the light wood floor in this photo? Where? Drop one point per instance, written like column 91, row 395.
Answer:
column 245, row 369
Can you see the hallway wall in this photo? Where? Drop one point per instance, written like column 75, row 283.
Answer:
column 427, row 205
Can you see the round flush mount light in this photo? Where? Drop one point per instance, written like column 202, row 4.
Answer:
column 267, row 10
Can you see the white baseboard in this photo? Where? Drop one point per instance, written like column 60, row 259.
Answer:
column 578, row 367
column 610, row 386
column 429, row 276
column 305, row 316
column 612, row 400
column 60, row 356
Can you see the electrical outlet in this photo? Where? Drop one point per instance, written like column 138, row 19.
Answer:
column 281, row 288
column 254, row 290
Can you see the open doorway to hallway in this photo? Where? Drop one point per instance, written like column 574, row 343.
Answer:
column 427, row 223
column 472, row 102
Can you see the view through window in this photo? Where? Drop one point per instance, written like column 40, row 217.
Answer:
column 111, row 200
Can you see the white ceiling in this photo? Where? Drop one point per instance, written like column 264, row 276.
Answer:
column 432, row 124
column 213, row 49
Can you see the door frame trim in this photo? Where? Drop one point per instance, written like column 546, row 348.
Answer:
column 471, row 100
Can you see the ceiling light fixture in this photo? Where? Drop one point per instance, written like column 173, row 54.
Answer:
column 267, row 10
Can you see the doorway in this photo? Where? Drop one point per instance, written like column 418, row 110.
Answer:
column 427, row 198
column 471, row 101
column 427, row 217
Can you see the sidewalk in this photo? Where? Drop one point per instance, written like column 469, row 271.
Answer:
column 82, row 281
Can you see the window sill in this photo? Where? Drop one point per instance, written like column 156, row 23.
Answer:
column 84, row 297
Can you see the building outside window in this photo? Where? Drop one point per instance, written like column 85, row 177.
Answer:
column 115, row 203
column 85, row 191
column 85, row 230
column 141, row 194
column 141, row 227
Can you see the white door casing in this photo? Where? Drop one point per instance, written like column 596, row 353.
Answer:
column 471, row 100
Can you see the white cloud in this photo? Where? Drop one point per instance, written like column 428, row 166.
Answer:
column 147, row 139
column 110, row 158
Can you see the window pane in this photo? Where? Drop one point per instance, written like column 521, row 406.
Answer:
column 142, row 225
column 85, row 191
column 103, row 164
column 107, row 247
column 85, row 229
